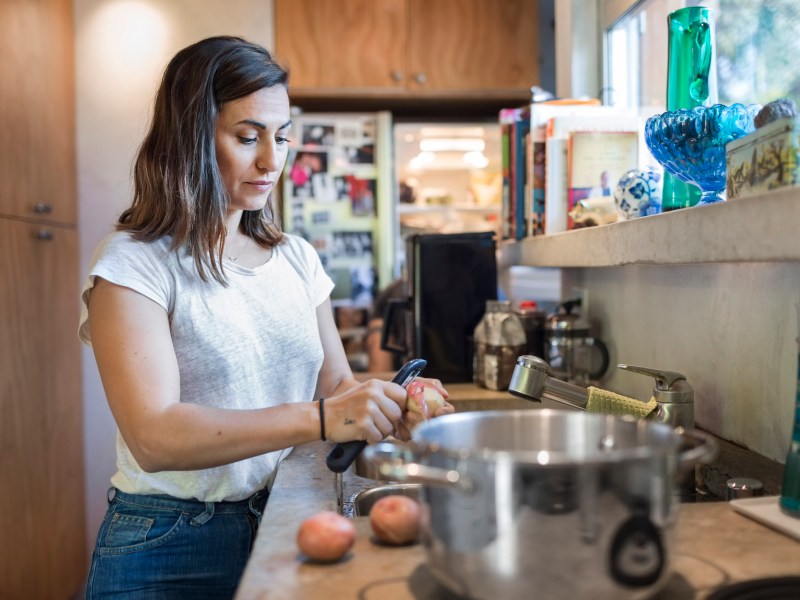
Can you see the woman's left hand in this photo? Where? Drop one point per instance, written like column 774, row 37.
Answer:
column 411, row 418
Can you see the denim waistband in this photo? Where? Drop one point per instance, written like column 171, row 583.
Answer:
column 254, row 503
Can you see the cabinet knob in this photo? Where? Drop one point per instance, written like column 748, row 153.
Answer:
column 42, row 208
column 420, row 78
column 44, row 235
column 396, row 75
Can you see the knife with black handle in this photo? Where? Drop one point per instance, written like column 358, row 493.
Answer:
column 344, row 453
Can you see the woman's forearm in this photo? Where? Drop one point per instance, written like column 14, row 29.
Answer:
column 187, row 437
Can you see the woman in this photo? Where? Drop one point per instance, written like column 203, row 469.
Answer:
column 213, row 334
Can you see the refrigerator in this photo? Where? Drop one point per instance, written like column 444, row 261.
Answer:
column 449, row 278
column 337, row 193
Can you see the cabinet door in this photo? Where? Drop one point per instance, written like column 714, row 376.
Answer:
column 37, row 153
column 43, row 554
column 480, row 46
column 334, row 44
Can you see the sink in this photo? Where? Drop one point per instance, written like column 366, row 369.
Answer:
column 364, row 500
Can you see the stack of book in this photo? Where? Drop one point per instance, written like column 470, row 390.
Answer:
column 556, row 154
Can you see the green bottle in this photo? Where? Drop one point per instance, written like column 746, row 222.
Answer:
column 790, row 490
column 691, row 82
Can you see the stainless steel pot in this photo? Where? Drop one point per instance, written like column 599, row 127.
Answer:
column 556, row 504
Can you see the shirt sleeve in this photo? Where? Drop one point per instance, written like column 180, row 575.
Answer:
column 319, row 282
column 126, row 262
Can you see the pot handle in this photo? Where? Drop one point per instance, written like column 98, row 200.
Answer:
column 396, row 462
column 702, row 447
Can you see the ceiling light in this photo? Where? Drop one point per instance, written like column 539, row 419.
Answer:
column 476, row 160
column 452, row 145
column 421, row 160
column 451, row 131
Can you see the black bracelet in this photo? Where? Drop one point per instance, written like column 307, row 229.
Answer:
column 322, row 418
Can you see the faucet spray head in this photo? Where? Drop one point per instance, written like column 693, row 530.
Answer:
column 529, row 378
column 533, row 379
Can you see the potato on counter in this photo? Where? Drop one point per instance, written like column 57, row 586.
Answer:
column 326, row 536
column 395, row 519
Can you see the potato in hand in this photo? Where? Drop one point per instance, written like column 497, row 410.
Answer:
column 424, row 398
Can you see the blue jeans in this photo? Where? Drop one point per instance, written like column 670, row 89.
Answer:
column 160, row 547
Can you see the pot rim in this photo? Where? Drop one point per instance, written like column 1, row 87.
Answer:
column 550, row 458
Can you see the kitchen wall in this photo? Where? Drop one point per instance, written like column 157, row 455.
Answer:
column 122, row 46
column 729, row 327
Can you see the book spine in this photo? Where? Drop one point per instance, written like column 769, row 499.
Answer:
column 530, row 208
column 508, row 119
column 521, row 212
column 537, row 184
column 556, row 186
column 505, row 228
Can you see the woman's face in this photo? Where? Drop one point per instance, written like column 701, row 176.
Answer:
column 252, row 144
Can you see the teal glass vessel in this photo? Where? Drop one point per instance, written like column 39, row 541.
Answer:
column 790, row 490
column 691, row 81
column 690, row 143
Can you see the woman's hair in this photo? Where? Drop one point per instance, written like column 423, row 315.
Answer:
column 178, row 188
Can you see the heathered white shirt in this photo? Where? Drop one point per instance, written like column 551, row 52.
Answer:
column 250, row 345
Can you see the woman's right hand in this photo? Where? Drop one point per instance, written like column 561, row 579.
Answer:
column 368, row 412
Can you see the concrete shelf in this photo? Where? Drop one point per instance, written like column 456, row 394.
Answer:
column 762, row 228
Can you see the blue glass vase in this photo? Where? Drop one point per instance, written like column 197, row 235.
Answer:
column 690, row 143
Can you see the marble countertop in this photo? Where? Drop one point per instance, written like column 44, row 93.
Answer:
column 714, row 544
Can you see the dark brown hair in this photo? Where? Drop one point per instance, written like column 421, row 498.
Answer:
column 178, row 188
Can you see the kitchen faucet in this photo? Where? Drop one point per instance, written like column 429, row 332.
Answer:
column 532, row 379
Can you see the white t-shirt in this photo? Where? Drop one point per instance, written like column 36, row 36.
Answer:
column 250, row 345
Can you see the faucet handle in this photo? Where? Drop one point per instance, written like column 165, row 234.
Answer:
column 675, row 397
column 664, row 379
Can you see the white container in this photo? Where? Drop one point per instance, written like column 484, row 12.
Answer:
column 767, row 159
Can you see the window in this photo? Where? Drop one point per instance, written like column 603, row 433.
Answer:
column 757, row 43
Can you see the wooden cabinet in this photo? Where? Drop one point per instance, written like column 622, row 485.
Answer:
column 41, row 463
column 342, row 44
column 481, row 46
column 37, row 147
column 411, row 48
column 44, row 553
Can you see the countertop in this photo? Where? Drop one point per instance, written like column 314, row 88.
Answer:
column 714, row 545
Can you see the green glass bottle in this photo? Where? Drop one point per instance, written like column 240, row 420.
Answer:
column 790, row 490
column 691, row 81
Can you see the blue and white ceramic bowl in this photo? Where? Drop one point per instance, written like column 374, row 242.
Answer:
column 638, row 194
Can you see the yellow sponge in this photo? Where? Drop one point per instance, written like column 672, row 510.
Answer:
column 609, row 403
